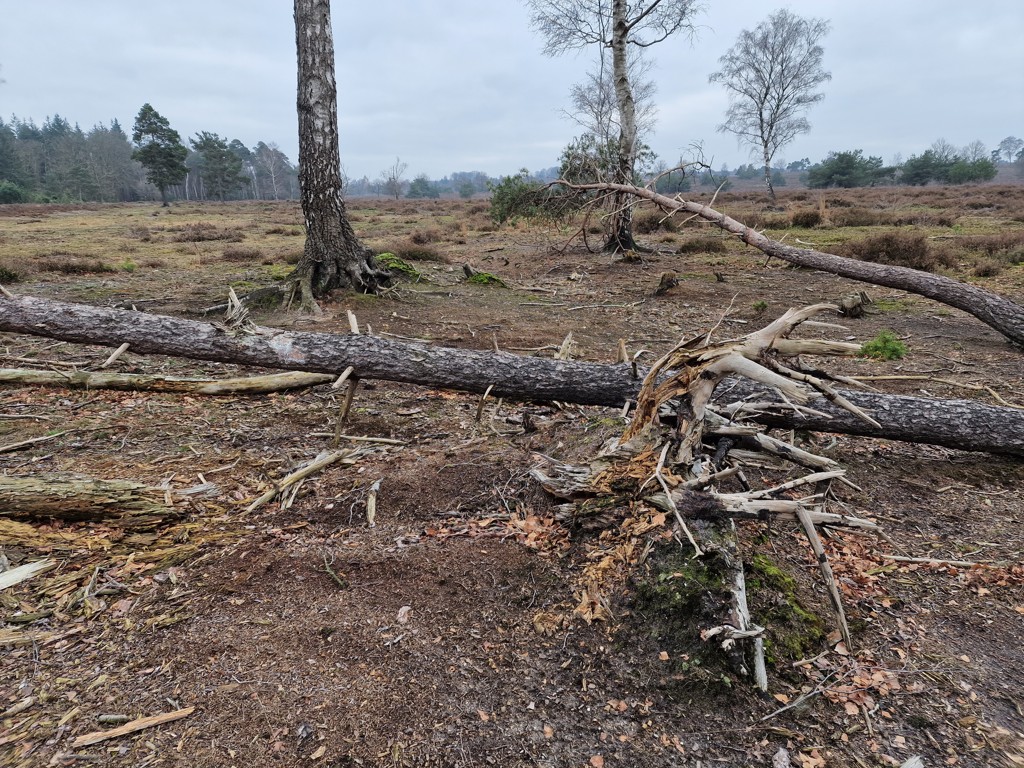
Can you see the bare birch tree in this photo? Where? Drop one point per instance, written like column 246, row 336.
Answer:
column 615, row 25
column 772, row 75
column 595, row 106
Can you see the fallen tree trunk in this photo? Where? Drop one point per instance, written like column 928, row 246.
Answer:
column 994, row 310
column 121, row 503
column 248, row 385
column 963, row 424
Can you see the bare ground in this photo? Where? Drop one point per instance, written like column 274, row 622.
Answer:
column 445, row 635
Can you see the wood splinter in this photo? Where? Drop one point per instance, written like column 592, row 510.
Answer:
column 135, row 725
column 114, row 355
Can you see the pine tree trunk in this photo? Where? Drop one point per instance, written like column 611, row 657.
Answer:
column 333, row 256
column 963, row 424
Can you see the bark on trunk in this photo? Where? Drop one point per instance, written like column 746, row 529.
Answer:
column 962, row 424
column 333, row 256
column 768, row 174
column 996, row 311
column 620, row 237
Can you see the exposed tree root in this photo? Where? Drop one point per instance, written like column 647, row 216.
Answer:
column 673, row 439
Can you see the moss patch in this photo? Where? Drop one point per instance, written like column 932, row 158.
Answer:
column 399, row 266
column 793, row 631
column 486, row 278
column 672, row 604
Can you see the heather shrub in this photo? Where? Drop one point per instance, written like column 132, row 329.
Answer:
column 904, row 249
column 806, row 218
column 647, row 221
column 242, row 253
column 702, row 245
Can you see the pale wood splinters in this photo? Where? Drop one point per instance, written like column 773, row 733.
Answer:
column 343, row 378
column 324, row 459
column 371, row 504
column 135, row 725
column 480, row 405
column 697, row 551
column 826, row 573
column 114, row 355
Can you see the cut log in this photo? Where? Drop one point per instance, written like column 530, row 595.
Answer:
column 963, row 424
column 122, row 503
column 249, row 385
column 994, row 310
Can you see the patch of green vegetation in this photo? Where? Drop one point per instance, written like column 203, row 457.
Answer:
column 9, row 276
column 672, row 602
column 129, row 266
column 793, row 631
column 399, row 266
column 486, row 278
column 885, row 346
column 891, row 305
column 760, row 306
column 279, row 271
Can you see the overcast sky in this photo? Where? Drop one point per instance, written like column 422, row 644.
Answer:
column 460, row 85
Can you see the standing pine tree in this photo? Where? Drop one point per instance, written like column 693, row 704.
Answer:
column 159, row 150
column 221, row 168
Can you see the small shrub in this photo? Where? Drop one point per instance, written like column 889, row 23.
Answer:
column 648, row 221
column 154, row 263
column 903, row 249
column 288, row 231
column 412, row 252
column 859, row 217
column 128, row 265
column 425, row 236
column 242, row 253
column 987, row 267
column 702, row 245
column 292, row 258
column 806, row 219
column 760, row 306
column 885, row 346
column 203, row 231
column 141, row 233
column 763, row 221
column 9, row 276
column 70, row 264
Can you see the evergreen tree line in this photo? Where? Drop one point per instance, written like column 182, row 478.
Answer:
column 58, row 162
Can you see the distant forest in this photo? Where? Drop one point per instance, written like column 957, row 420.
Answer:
column 59, row 162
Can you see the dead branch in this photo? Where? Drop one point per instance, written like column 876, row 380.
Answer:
column 250, row 385
column 996, row 311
